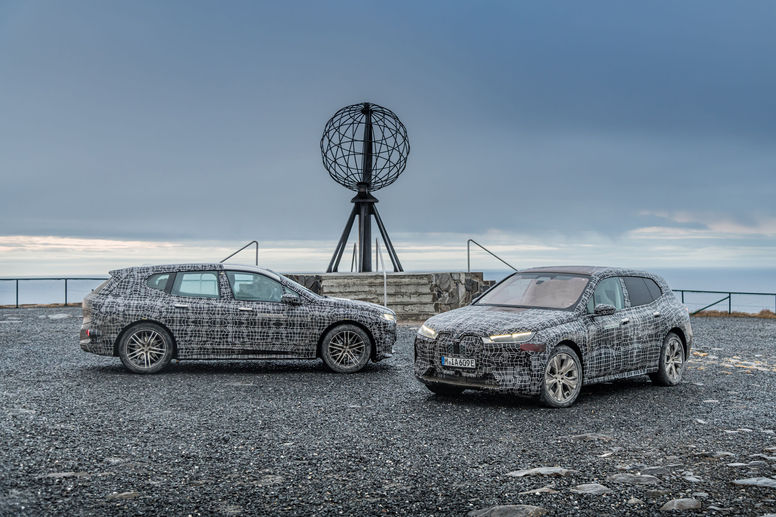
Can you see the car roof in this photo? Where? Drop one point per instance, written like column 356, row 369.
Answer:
column 202, row 266
column 590, row 270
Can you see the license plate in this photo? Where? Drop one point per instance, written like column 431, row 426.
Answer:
column 458, row 362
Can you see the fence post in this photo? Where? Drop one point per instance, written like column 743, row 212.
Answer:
column 17, row 293
column 682, row 296
column 730, row 303
column 65, row 292
column 468, row 256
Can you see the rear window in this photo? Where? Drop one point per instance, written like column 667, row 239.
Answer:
column 638, row 292
column 654, row 289
column 158, row 281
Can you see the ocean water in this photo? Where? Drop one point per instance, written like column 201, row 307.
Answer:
column 708, row 279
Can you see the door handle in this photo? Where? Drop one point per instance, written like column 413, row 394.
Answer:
column 625, row 321
column 246, row 309
column 656, row 314
column 181, row 306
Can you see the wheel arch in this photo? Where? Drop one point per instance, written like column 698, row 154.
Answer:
column 572, row 345
column 679, row 332
column 360, row 325
column 138, row 322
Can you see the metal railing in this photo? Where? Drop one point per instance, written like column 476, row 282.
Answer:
column 469, row 252
column 246, row 246
column 728, row 298
column 64, row 279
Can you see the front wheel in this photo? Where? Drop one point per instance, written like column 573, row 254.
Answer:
column 146, row 348
column 346, row 349
column 671, row 365
column 562, row 378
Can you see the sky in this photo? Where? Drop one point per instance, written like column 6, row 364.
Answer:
column 620, row 133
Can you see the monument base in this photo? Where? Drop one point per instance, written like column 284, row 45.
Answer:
column 413, row 296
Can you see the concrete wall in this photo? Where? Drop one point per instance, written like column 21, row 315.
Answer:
column 413, row 296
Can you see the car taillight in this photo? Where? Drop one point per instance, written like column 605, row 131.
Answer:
column 532, row 347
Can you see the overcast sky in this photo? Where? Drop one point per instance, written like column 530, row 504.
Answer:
column 636, row 133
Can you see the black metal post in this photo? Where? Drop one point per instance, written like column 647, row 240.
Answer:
column 65, row 292
column 387, row 240
column 17, row 293
column 730, row 303
column 340, row 249
column 682, row 296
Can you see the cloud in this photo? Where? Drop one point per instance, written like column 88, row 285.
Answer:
column 689, row 225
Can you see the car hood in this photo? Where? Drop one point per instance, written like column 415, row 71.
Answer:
column 486, row 320
column 356, row 304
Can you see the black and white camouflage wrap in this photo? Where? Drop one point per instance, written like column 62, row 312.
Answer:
column 608, row 348
column 217, row 328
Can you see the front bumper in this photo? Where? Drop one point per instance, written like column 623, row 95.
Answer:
column 384, row 337
column 502, row 367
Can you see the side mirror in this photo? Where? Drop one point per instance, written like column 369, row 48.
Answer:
column 291, row 299
column 604, row 309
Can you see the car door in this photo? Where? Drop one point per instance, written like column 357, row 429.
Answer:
column 656, row 324
column 197, row 314
column 607, row 335
column 261, row 322
column 646, row 322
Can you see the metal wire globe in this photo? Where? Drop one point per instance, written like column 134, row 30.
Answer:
column 342, row 146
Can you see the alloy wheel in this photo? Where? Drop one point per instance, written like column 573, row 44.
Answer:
column 146, row 348
column 346, row 349
column 561, row 377
column 673, row 359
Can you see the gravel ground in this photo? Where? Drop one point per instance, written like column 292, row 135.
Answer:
column 82, row 436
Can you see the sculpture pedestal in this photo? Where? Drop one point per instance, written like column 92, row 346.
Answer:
column 413, row 296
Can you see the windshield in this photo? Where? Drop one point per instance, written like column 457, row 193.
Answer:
column 537, row 290
column 300, row 288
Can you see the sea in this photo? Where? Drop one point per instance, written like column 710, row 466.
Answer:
column 39, row 291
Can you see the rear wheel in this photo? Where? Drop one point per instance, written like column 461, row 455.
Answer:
column 671, row 365
column 346, row 349
column 146, row 348
column 445, row 390
column 562, row 378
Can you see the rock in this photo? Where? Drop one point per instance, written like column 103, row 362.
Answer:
column 61, row 475
column 681, row 504
column 763, row 456
column 591, row 488
column 59, row 316
column 509, row 510
column 635, row 500
column 659, row 470
column 761, row 481
column 711, row 401
column 634, row 479
column 722, row 454
column 770, row 449
column 654, row 494
column 123, row 495
column 702, row 495
column 541, row 471
column 691, row 478
column 591, row 437
column 115, row 461
column 701, row 421
column 543, row 490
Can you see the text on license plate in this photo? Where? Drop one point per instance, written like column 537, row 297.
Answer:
column 458, row 362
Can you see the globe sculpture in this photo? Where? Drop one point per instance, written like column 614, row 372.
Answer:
column 364, row 148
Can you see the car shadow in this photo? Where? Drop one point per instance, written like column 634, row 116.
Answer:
column 237, row 367
column 589, row 394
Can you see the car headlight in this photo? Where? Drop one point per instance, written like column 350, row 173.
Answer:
column 427, row 332
column 388, row 316
column 515, row 337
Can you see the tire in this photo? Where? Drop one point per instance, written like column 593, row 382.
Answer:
column 346, row 349
column 445, row 390
column 146, row 348
column 671, row 365
column 562, row 378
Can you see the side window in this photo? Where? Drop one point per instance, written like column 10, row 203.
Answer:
column 158, row 281
column 254, row 287
column 197, row 284
column 609, row 292
column 654, row 289
column 638, row 292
